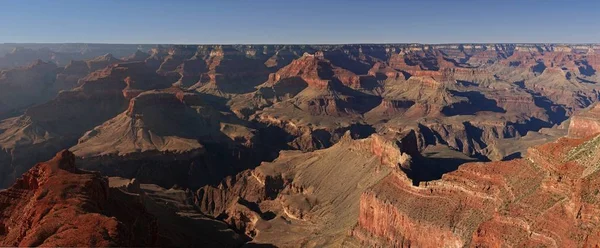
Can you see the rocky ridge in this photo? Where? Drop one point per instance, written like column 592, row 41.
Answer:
column 56, row 204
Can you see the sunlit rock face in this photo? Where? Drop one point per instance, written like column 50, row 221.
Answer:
column 304, row 145
column 56, row 204
column 545, row 199
column 585, row 124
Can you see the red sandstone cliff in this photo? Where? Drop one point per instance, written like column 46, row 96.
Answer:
column 546, row 199
column 56, row 204
column 585, row 124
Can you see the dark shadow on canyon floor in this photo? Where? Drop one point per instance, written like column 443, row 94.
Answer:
column 433, row 165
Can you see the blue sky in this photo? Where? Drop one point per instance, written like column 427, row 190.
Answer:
column 309, row 21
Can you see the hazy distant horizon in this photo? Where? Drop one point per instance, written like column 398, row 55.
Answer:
column 297, row 44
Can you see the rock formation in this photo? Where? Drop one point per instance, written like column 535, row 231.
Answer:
column 56, row 204
column 546, row 199
column 305, row 145
column 47, row 128
column 307, row 199
column 586, row 123
column 167, row 137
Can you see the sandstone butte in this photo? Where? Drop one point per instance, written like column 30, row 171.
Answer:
column 55, row 204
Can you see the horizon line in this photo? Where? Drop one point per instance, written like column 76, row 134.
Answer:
column 308, row 44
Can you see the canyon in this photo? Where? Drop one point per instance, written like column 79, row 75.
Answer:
column 377, row 145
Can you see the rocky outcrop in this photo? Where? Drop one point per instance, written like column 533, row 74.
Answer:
column 585, row 124
column 306, row 198
column 316, row 71
column 56, row 204
column 542, row 200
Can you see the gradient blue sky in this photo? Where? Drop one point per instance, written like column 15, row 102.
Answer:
column 309, row 21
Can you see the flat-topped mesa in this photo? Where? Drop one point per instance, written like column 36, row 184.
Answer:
column 585, row 123
column 167, row 98
column 55, row 204
column 153, row 122
column 129, row 77
column 161, row 137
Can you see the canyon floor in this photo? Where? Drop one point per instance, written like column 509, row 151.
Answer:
column 383, row 145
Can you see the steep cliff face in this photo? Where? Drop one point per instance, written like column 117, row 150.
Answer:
column 546, row 199
column 308, row 199
column 586, row 123
column 56, row 204
column 140, row 128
